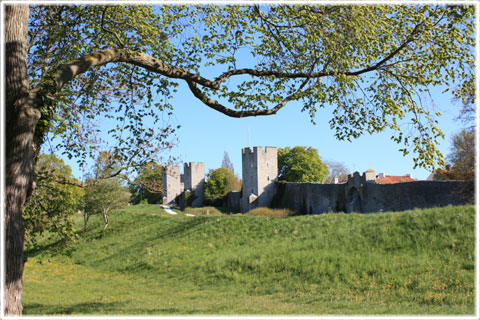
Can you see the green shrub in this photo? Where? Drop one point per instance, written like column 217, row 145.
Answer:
column 210, row 211
column 219, row 183
column 267, row 212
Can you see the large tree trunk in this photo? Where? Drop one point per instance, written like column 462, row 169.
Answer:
column 21, row 119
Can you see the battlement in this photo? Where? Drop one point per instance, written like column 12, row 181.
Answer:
column 194, row 165
column 257, row 150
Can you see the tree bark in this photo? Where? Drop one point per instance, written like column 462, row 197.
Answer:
column 105, row 218
column 21, row 119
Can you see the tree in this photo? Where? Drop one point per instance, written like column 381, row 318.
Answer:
column 462, row 154
column 68, row 66
column 461, row 158
column 226, row 163
column 218, row 184
column 102, row 198
column 148, row 184
column 52, row 204
column 465, row 94
column 337, row 170
column 301, row 164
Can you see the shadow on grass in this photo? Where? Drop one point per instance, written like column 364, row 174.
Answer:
column 226, row 210
column 171, row 232
column 91, row 308
column 59, row 247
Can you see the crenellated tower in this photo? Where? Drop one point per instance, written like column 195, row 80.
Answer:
column 259, row 171
column 172, row 184
column 194, row 181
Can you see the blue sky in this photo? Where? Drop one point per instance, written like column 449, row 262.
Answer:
column 206, row 134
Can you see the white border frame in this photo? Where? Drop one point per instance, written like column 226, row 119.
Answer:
column 243, row 2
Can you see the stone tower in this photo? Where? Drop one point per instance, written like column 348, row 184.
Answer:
column 259, row 171
column 172, row 185
column 194, row 181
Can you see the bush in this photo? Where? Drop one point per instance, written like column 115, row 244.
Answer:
column 219, row 183
column 204, row 211
column 267, row 212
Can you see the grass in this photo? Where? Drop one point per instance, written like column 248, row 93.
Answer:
column 149, row 262
column 204, row 211
column 267, row 212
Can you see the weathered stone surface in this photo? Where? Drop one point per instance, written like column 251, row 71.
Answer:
column 194, row 180
column 259, row 171
column 359, row 196
column 172, row 186
column 309, row 198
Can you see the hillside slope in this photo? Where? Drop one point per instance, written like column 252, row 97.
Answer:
column 414, row 262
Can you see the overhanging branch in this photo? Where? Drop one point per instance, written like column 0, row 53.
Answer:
column 70, row 70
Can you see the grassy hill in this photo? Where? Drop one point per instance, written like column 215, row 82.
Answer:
column 149, row 262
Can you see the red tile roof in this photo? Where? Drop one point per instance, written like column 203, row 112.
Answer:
column 394, row 179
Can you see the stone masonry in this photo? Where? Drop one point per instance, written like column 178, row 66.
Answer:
column 172, row 185
column 361, row 193
column 259, row 171
column 194, row 180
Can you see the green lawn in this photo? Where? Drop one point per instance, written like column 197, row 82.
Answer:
column 150, row 262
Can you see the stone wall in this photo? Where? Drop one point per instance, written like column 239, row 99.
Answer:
column 194, row 177
column 358, row 195
column 233, row 201
column 309, row 198
column 417, row 194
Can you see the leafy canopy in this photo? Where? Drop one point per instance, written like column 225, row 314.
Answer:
column 52, row 204
column 219, row 182
column 461, row 157
column 103, row 197
column 372, row 65
column 301, row 164
column 147, row 186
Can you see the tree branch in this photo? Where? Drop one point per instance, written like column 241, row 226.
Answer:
column 74, row 68
column 122, row 45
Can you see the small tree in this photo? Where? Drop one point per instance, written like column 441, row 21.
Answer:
column 148, row 184
column 461, row 157
column 53, row 202
column 337, row 170
column 301, row 164
column 226, row 163
column 102, row 198
column 219, row 183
